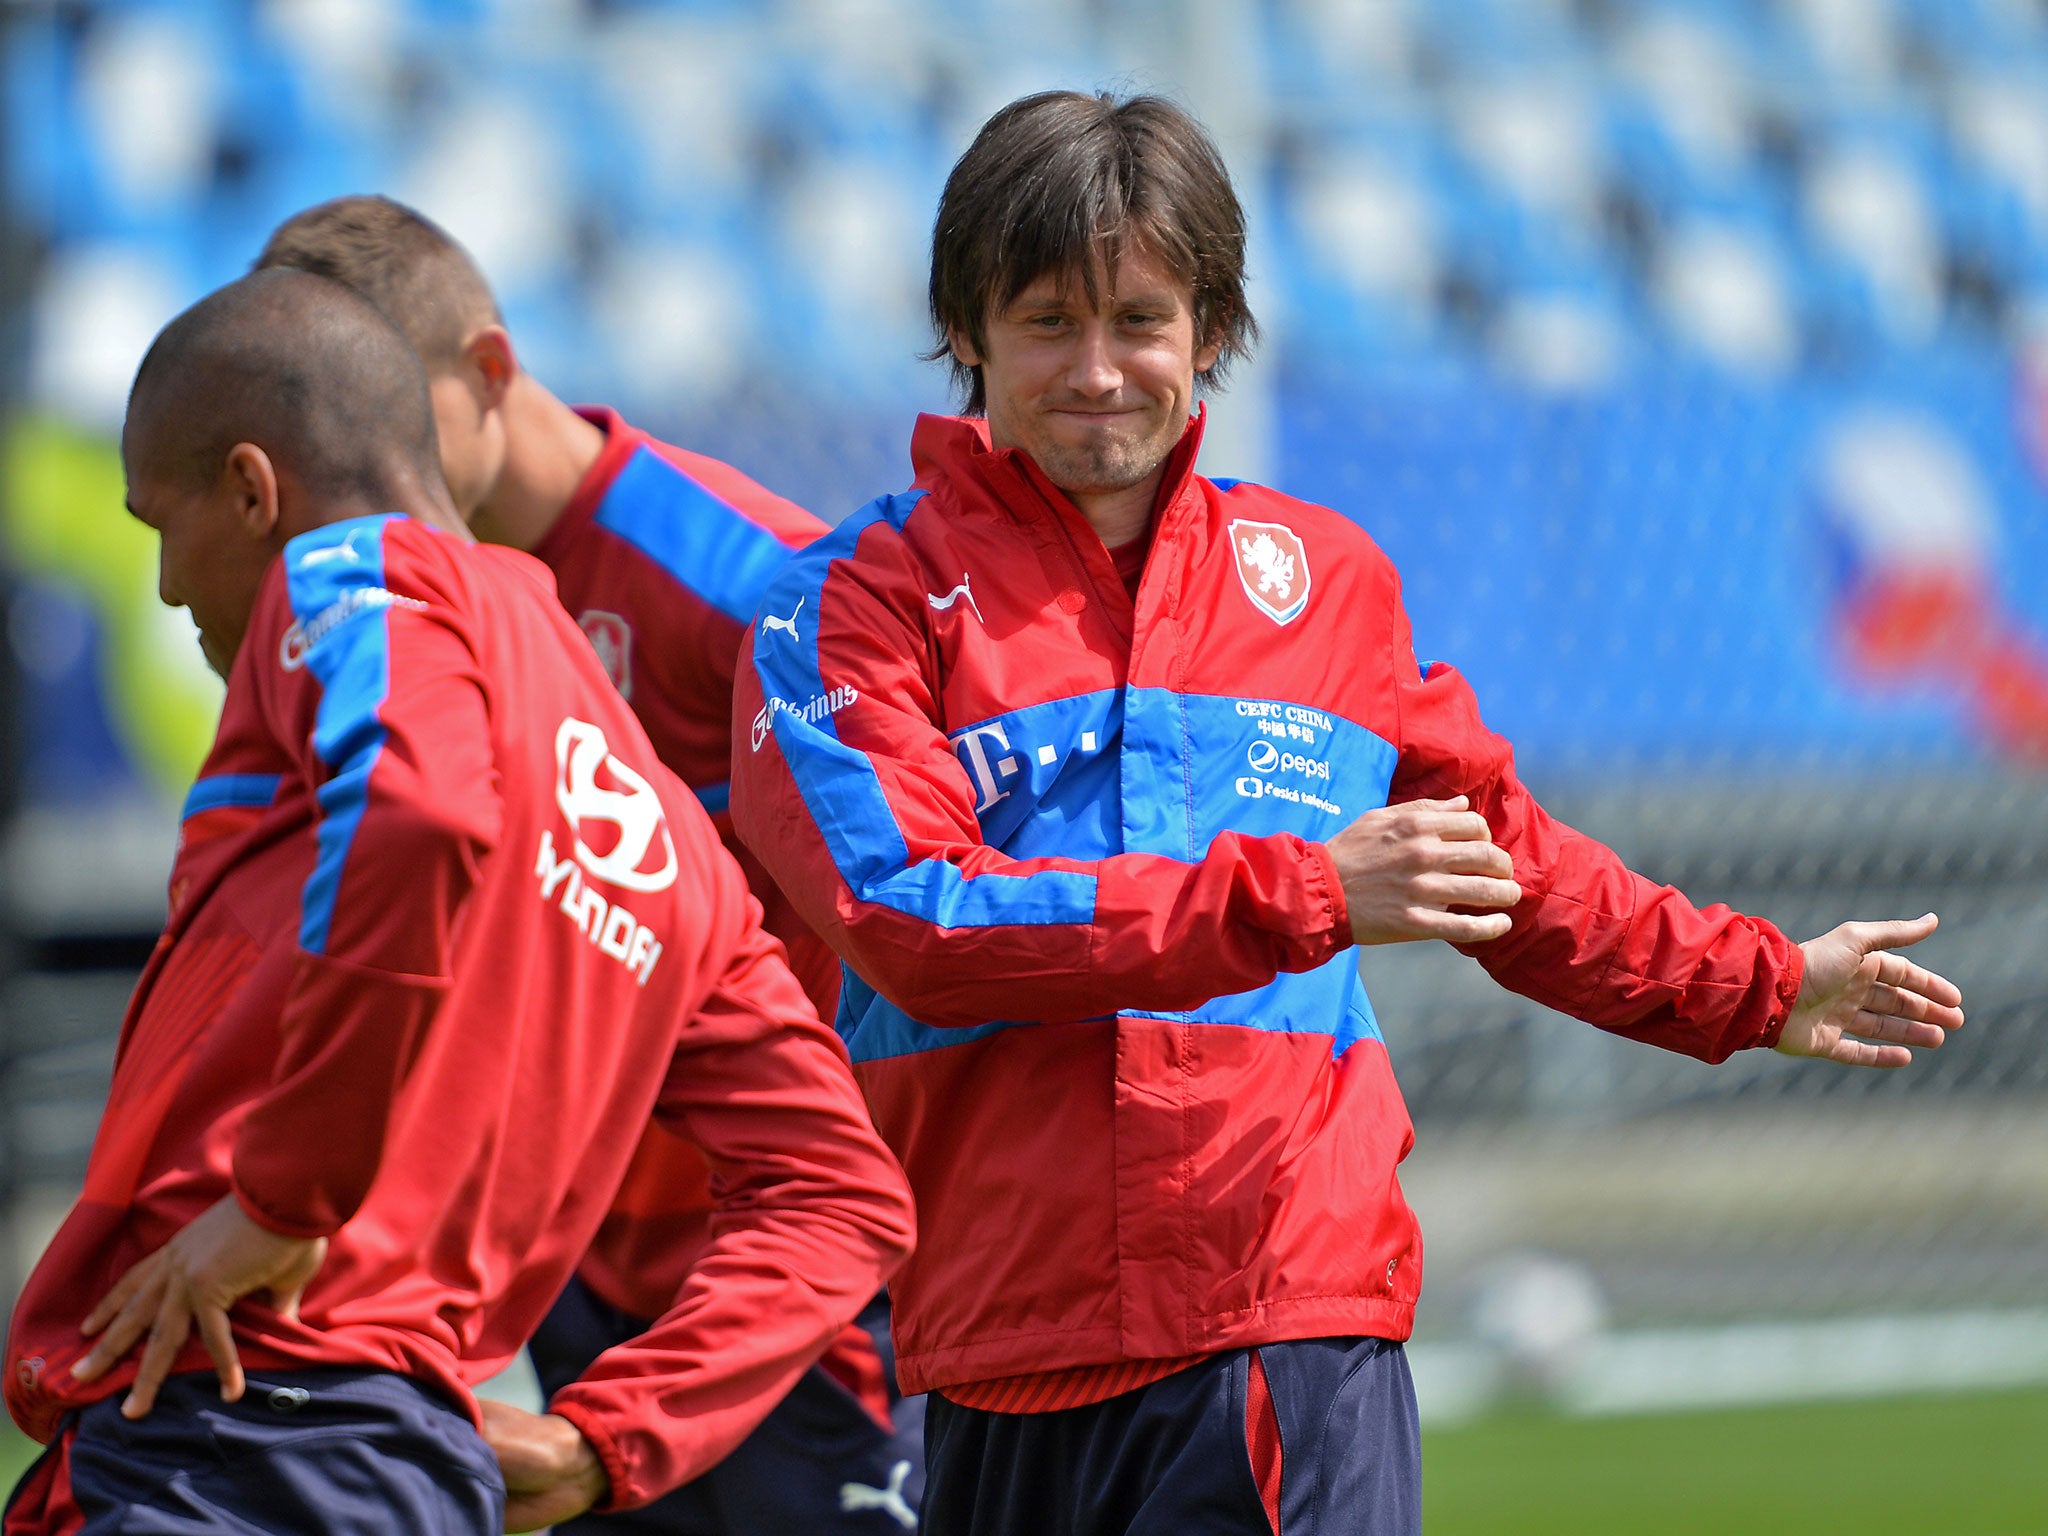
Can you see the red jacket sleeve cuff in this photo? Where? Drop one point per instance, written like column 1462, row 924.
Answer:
column 1789, row 983
column 618, row 1480
column 1326, row 883
column 283, row 1224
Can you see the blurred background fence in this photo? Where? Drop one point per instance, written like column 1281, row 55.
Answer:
column 1690, row 357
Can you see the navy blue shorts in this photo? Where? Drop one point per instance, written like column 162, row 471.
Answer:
column 818, row 1464
column 315, row 1453
column 1317, row 1437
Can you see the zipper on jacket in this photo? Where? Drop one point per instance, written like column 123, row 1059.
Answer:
column 1091, row 557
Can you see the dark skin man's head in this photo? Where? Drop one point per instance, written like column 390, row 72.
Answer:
column 278, row 404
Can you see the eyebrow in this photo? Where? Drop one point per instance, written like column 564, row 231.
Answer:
column 1033, row 298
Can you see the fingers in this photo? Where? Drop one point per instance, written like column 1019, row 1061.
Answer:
column 289, row 1288
column 219, row 1337
column 112, row 1303
column 1473, row 891
column 127, row 1324
column 1898, row 1031
column 1459, row 827
column 1884, row 998
column 1861, row 1053
column 1475, row 858
column 1898, row 972
column 1460, row 927
column 1896, row 934
column 167, row 1336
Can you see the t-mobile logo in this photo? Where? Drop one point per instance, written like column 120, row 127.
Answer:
column 988, row 772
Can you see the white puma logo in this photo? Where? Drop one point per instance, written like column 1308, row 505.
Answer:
column 771, row 622
column 853, row 1496
column 941, row 604
column 345, row 550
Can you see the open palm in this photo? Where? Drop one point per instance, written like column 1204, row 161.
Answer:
column 1863, row 1006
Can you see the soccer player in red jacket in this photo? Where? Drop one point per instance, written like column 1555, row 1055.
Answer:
column 443, row 936
column 1094, row 771
column 661, row 555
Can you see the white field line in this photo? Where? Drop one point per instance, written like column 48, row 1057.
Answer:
column 1751, row 1364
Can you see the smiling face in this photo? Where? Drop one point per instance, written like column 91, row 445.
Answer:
column 1097, row 392
column 216, row 539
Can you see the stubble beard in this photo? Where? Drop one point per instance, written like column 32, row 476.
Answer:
column 1113, row 462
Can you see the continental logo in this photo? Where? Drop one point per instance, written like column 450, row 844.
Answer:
column 811, row 711
column 300, row 639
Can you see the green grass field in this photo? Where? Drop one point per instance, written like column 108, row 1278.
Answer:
column 1934, row 1466
column 1926, row 1466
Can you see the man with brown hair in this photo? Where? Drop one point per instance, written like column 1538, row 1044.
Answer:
column 1094, row 771
column 661, row 555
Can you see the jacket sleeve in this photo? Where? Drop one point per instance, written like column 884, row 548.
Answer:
column 366, row 676
column 811, row 1214
column 1591, row 938
column 850, row 794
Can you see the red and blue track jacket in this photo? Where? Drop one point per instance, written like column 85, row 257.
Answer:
column 661, row 556
column 1101, row 995
column 443, row 936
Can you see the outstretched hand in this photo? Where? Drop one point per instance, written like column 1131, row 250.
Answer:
column 551, row 1473
column 1863, row 1006
column 196, row 1277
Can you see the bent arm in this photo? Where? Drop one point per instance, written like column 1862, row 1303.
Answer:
column 386, row 712
column 1591, row 938
column 811, row 1214
column 851, row 795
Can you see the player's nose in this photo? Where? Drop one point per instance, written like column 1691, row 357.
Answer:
column 167, row 589
column 1093, row 369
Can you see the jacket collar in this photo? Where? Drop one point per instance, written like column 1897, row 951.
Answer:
column 956, row 450
column 620, row 441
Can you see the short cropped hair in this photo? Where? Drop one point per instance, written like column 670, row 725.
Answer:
column 1054, row 181
column 299, row 365
column 400, row 260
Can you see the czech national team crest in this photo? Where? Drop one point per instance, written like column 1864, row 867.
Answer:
column 612, row 638
column 1273, row 567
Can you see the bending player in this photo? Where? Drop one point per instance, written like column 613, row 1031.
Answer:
column 662, row 556
column 1094, row 771
column 443, row 936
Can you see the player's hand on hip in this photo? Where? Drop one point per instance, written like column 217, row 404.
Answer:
column 1425, row 869
column 212, row 1263
column 1863, row 1006
column 551, row 1473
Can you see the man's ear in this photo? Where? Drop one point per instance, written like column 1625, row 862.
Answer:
column 491, row 365
column 962, row 346
column 252, row 480
column 1207, row 354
